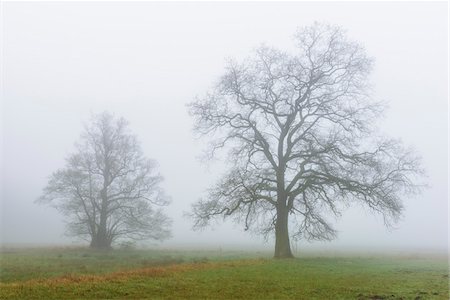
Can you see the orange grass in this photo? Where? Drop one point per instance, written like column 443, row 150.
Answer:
column 305, row 278
column 126, row 275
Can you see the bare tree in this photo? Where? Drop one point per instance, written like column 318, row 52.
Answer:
column 299, row 130
column 108, row 191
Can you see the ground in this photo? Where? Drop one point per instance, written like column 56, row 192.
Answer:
column 78, row 273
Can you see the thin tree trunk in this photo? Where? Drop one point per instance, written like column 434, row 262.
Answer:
column 282, row 243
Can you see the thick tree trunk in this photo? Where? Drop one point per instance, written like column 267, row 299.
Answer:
column 282, row 243
column 100, row 241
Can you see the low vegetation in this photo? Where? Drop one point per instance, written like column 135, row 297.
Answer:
column 86, row 274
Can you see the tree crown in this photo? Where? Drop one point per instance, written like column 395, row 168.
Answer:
column 300, row 134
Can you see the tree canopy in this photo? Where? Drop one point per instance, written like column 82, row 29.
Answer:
column 302, row 143
column 108, row 191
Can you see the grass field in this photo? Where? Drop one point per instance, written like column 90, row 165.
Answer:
column 82, row 274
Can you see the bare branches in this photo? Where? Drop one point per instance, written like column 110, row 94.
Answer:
column 108, row 188
column 239, row 193
column 299, row 130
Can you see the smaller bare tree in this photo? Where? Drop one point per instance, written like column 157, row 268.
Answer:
column 108, row 190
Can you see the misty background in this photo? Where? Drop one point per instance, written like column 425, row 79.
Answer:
column 62, row 62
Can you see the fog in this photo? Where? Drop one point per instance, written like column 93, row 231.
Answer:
column 62, row 62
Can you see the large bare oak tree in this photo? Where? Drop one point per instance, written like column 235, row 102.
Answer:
column 301, row 139
column 108, row 190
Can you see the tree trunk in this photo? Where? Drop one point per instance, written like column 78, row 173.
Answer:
column 100, row 241
column 282, row 243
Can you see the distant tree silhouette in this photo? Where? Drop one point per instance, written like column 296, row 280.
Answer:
column 108, row 191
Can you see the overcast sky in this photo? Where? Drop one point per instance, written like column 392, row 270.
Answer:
column 144, row 61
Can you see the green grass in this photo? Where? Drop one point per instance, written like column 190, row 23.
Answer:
column 40, row 263
column 83, row 274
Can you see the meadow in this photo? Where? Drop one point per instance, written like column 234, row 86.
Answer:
column 79, row 273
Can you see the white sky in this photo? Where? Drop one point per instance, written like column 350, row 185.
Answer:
column 62, row 61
